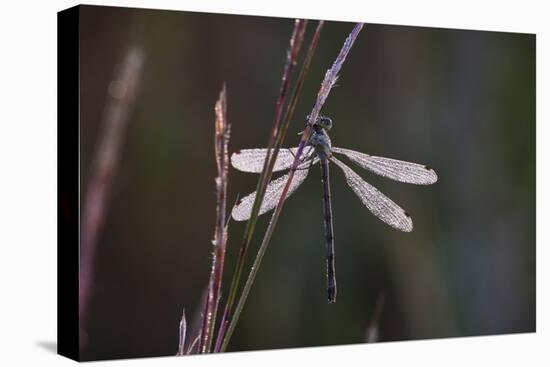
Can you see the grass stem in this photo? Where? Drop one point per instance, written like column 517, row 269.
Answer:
column 121, row 98
column 328, row 82
column 221, row 141
column 295, row 44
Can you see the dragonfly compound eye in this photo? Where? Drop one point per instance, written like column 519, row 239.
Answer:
column 325, row 122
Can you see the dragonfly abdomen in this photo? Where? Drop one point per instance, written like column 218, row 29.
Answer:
column 329, row 232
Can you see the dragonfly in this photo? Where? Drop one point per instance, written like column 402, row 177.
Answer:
column 319, row 149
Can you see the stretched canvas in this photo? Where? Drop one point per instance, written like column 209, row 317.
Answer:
column 238, row 183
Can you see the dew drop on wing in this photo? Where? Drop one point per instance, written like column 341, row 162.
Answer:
column 378, row 203
column 243, row 210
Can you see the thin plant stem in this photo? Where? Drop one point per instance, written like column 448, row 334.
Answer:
column 372, row 333
column 193, row 344
column 121, row 98
column 221, row 141
column 328, row 82
column 296, row 40
column 182, row 334
column 296, row 93
column 288, row 117
column 280, row 138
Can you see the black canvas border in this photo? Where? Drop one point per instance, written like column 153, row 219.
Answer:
column 68, row 121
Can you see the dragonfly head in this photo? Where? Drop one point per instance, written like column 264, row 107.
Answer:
column 325, row 122
column 322, row 122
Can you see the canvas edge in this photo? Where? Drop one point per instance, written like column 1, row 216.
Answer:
column 68, row 190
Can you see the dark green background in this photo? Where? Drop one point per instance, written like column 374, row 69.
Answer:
column 460, row 101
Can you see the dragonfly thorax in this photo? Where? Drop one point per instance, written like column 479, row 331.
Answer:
column 320, row 141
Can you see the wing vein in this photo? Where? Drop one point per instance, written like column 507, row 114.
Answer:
column 394, row 169
column 272, row 195
column 252, row 160
column 378, row 203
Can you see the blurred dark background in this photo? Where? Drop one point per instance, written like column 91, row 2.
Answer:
column 460, row 101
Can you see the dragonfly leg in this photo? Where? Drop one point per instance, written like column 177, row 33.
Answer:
column 306, row 168
column 305, row 155
column 304, row 158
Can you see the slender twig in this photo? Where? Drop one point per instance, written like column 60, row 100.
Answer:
column 221, row 140
column 120, row 102
column 328, row 82
column 296, row 40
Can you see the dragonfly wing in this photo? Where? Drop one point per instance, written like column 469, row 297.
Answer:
column 273, row 192
column 394, row 169
column 378, row 203
column 252, row 160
